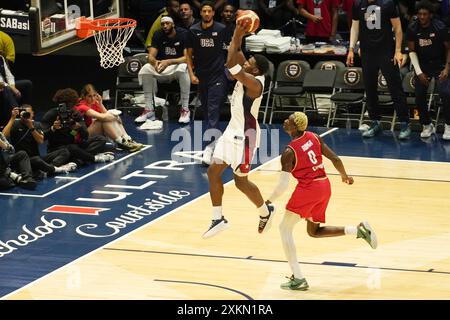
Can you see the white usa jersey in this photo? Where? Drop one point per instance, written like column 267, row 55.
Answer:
column 244, row 114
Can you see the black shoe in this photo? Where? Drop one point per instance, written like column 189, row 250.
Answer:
column 265, row 222
column 27, row 183
column 39, row 175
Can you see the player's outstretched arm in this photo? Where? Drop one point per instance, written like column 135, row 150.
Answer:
column 337, row 162
column 287, row 164
column 253, row 86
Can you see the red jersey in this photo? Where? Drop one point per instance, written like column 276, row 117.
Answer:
column 82, row 107
column 308, row 159
column 320, row 8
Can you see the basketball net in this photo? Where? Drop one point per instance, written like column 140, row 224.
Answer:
column 111, row 36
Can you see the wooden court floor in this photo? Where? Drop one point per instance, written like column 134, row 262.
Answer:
column 407, row 203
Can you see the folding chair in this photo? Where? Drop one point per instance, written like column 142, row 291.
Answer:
column 349, row 91
column 289, row 83
column 408, row 84
column 329, row 65
column 384, row 100
column 268, row 87
column 318, row 81
column 127, row 77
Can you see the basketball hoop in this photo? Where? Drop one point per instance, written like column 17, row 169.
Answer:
column 111, row 36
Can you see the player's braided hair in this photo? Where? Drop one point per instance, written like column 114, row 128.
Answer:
column 300, row 120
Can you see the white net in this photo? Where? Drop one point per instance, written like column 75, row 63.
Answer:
column 112, row 41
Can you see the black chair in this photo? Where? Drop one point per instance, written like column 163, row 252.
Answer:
column 318, row 81
column 409, row 87
column 330, row 65
column 127, row 77
column 349, row 92
column 288, row 83
column 384, row 100
column 268, row 87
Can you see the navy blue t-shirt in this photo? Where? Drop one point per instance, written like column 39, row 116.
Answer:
column 207, row 45
column 169, row 48
column 375, row 27
column 429, row 44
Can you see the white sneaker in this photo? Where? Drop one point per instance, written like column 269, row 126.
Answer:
column 152, row 125
column 427, row 131
column 215, row 227
column 104, row 157
column 185, row 116
column 364, row 127
column 207, row 155
column 66, row 168
column 446, row 135
column 146, row 115
column 115, row 112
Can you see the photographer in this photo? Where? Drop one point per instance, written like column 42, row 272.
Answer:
column 26, row 134
column 64, row 127
column 19, row 162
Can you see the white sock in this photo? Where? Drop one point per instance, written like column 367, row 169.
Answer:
column 263, row 210
column 127, row 138
column 58, row 170
column 350, row 230
column 286, row 228
column 217, row 213
column 119, row 140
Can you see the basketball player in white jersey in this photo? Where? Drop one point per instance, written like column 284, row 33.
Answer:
column 238, row 144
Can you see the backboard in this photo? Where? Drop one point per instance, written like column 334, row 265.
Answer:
column 52, row 22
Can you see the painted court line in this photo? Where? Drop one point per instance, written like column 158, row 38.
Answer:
column 139, row 228
column 324, row 263
column 75, row 179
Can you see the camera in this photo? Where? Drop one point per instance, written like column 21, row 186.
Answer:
column 24, row 114
column 67, row 116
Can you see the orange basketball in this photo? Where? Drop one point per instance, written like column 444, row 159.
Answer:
column 251, row 17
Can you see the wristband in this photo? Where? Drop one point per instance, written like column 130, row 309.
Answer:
column 235, row 70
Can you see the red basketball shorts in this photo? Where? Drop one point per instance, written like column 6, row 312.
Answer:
column 311, row 202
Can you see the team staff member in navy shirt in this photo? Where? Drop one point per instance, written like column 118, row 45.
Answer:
column 428, row 43
column 166, row 64
column 374, row 21
column 206, row 60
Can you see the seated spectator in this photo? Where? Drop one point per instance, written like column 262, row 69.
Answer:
column 15, row 166
column 229, row 20
column 173, row 10
column 144, row 11
column 26, row 135
column 276, row 13
column 100, row 122
column 64, row 127
column 7, row 49
column 9, row 94
column 322, row 18
column 166, row 63
column 187, row 16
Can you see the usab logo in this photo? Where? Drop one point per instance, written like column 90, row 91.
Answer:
column 293, row 70
column 328, row 66
column 134, row 66
column 382, row 83
column 373, row 17
column 412, row 82
column 352, row 77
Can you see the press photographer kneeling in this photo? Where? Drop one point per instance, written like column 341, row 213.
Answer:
column 64, row 127
column 26, row 134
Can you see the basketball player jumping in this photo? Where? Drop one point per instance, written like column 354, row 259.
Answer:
column 237, row 145
column 303, row 159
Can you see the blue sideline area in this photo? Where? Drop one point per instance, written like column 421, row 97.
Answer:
column 68, row 217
